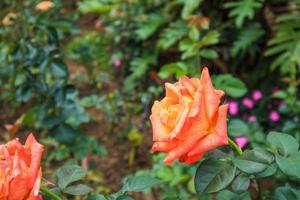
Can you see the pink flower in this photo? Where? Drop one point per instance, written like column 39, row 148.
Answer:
column 252, row 118
column 257, row 95
column 233, row 108
column 248, row 102
column 117, row 63
column 241, row 141
column 274, row 116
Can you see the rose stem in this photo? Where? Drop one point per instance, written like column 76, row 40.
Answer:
column 50, row 194
column 235, row 146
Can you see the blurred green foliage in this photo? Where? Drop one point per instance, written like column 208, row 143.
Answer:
column 33, row 72
column 125, row 50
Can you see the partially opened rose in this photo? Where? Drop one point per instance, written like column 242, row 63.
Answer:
column 20, row 171
column 189, row 120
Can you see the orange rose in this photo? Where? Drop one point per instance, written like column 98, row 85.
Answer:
column 189, row 121
column 20, row 171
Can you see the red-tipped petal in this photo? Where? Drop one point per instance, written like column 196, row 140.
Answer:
column 164, row 146
column 36, row 151
column 18, row 188
column 191, row 159
column 182, row 148
column 215, row 139
column 211, row 98
column 34, row 194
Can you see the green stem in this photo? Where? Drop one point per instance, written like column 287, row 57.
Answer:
column 50, row 194
column 235, row 146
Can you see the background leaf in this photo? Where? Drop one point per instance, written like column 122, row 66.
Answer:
column 241, row 183
column 285, row 143
column 214, row 175
column 79, row 189
column 290, row 165
column 238, row 127
column 139, row 183
column 69, row 174
column 253, row 161
column 233, row 87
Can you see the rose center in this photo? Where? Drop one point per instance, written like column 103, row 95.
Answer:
column 168, row 116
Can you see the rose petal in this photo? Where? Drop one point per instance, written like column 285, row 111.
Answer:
column 188, row 85
column 196, row 104
column 34, row 194
column 18, row 188
column 172, row 92
column 164, row 146
column 182, row 148
column 36, row 150
column 160, row 132
column 217, row 138
column 191, row 159
column 15, row 146
column 211, row 97
column 181, row 118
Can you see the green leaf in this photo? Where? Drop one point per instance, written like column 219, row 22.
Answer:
column 189, row 7
column 214, row 175
column 147, row 27
column 237, row 127
column 188, row 47
column 208, row 53
column 243, row 9
column 97, row 197
column 64, row 133
column 228, row 195
column 59, row 69
column 284, row 143
column 139, row 183
column 89, row 6
column 246, row 39
column 289, row 166
column 79, row 189
column 233, row 87
column 194, row 34
column 179, row 69
column 241, row 183
column 124, row 197
column 269, row 171
column 253, row 161
column 286, row 193
column 212, row 37
column 23, row 93
column 69, row 174
column 172, row 34
column 284, row 46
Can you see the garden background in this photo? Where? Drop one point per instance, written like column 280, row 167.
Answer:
column 82, row 75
